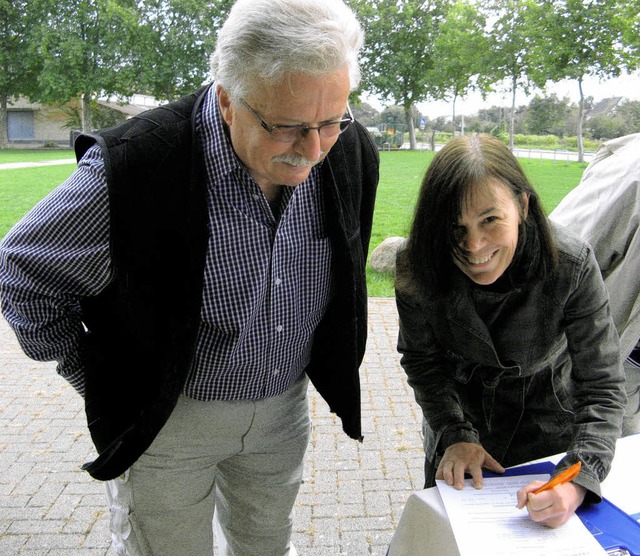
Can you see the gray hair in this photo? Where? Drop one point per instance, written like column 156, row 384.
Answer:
column 266, row 40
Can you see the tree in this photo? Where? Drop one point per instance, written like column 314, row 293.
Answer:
column 624, row 119
column 399, row 51
column 510, row 44
column 178, row 38
column 629, row 111
column 546, row 116
column 17, row 65
column 576, row 38
column 366, row 114
column 93, row 48
column 85, row 50
column 461, row 50
column 101, row 116
column 603, row 126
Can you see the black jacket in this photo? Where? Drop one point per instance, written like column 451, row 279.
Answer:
column 142, row 328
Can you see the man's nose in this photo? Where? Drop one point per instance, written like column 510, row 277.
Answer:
column 308, row 144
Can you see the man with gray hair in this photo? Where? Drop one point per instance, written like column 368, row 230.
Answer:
column 203, row 262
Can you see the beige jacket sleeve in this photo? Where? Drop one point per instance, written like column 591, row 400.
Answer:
column 604, row 209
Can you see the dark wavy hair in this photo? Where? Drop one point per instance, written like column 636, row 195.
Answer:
column 473, row 162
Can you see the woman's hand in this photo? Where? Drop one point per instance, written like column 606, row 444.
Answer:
column 552, row 507
column 466, row 457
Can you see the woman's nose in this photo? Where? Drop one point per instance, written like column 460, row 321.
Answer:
column 474, row 240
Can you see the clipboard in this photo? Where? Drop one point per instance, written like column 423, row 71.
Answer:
column 614, row 529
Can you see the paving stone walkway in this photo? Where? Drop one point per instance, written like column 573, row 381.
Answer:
column 350, row 502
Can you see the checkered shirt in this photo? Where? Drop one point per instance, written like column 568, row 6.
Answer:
column 267, row 280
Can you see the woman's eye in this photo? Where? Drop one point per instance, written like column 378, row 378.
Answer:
column 459, row 232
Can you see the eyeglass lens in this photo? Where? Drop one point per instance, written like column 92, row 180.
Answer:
column 325, row 131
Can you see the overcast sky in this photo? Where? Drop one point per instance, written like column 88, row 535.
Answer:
column 625, row 86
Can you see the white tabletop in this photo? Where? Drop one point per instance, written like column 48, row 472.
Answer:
column 424, row 528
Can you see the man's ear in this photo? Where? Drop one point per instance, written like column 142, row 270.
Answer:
column 224, row 103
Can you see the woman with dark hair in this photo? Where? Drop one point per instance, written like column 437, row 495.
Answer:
column 505, row 331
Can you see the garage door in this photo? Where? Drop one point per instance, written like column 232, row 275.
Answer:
column 20, row 126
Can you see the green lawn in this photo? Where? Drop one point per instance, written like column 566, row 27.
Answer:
column 400, row 176
column 22, row 188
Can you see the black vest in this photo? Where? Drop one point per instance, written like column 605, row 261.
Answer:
column 142, row 328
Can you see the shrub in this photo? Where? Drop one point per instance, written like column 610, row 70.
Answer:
column 537, row 141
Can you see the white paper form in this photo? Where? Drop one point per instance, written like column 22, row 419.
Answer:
column 622, row 485
column 486, row 522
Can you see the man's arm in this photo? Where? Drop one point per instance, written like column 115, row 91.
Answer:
column 56, row 254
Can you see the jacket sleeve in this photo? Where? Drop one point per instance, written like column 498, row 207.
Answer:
column 430, row 376
column 604, row 209
column 599, row 396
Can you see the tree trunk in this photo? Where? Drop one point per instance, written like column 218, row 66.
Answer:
column 408, row 113
column 86, row 117
column 453, row 115
column 512, row 114
column 580, row 122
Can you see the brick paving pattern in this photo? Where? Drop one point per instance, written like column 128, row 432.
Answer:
column 350, row 502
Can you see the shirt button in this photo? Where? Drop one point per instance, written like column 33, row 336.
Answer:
column 279, row 328
column 278, row 281
column 255, row 196
column 276, row 372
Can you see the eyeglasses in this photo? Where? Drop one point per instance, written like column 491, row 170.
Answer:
column 289, row 133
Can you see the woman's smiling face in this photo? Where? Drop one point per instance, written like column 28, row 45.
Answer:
column 487, row 232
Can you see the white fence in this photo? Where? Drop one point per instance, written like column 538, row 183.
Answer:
column 559, row 156
column 531, row 154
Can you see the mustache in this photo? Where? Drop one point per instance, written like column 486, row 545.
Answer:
column 296, row 160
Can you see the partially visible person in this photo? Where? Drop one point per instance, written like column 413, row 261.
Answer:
column 604, row 209
column 205, row 260
column 505, row 331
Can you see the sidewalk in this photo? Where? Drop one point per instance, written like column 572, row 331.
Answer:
column 349, row 505
column 13, row 165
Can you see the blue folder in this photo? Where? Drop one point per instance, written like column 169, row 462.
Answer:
column 612, row 528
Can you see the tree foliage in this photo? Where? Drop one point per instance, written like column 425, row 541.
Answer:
column 577, row 38
column 624, row 119
column 178, row 38
column 91, row 48
column 18, row 67
column 461, row 52
column 547, row 116
column 85, row 48
column 415, row 50
column 530, row 43
column 510, row 38
column 399, row 50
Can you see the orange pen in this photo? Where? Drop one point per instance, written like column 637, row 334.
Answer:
column 561, row 478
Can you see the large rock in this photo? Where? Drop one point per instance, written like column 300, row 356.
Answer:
column 383, row 257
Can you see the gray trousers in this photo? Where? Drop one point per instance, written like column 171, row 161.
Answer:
column 242, row 458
